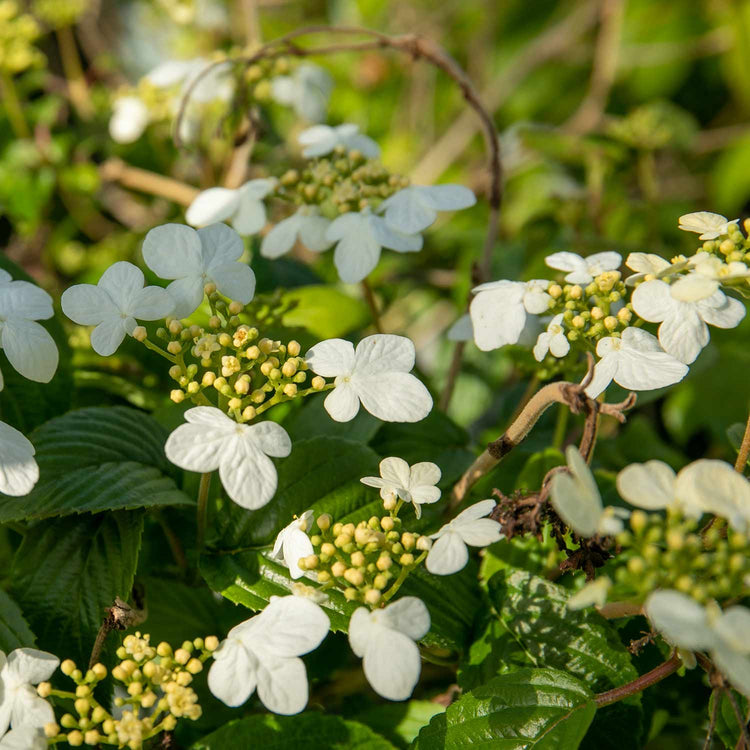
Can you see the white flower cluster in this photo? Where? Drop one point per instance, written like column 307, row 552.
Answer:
column 32, row 352
column 21, row 709
column 683, row 296
column 704, row 486
column 358, row 236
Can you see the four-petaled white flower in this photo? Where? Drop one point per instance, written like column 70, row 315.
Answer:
column 29, row 348
column 129, row 119
column 649, row 266
column 20, row 706
column 211, row 440
column 688, row 625
column 306, row 90
column 500, row 308
column 704, row 486
column 583, row 270
column 194, row 258
column 320, row 140
column 636, row 362
column 707, row 274
column 415, row 484
column 306, row 224
column 415, row 208
column 450, row 553
column 18, row 469
column 243, row 206
column 377, row 374
column 386, row 642
column 683, row 331
column 708, row 225
column 115, row 304
column 292, row 543
column 262, row 654
column 359, row 238
column 552, row 340
column 24, row 738
column 576, row 499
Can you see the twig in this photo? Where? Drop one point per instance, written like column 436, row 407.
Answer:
column 372, row 304
column 120, row 616
column 641, row 683
column 741, row 462
column 717, row 696
column 116, row 170
column 570, row 394
column 78, row 89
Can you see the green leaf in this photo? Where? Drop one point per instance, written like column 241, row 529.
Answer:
column 324, row 311
column 400, row 722
column 25, row 404
column 320, row 473
column 727, row 726
column 536, row 467
column 544, row 709
column 312, row 420
column 96, row 459
column 14, row 630
column 68, row 570
column 311, row 731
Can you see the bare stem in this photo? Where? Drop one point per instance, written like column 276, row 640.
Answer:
column 78, row 90
column 202, row 511
column 13, row 108
column 372, row 304
column 120, row 616
column 641, row 683
column 116, row 170
column 741, row 461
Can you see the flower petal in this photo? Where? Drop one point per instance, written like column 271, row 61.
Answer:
column 271, row 437
column 248, row 475
column 296, row 544
column 395, row 472
column 292, row 626
column 424, row 473
column 282, row 237
column 393, row 396
column 680, row 619
column 312, row 233
column 342, row 403
column 86, row 304
column 357, row 251
column 480, row 533
column 122, row 281
column 650, row 485
column 196, row 447
column 448, row 555
column 18, row 469
column 21, row 299
column 727, row 315
column 30, row 349
column 30, row 665
column 645, row 371
column 360, row 630
column 498, row 315
column 108, row 335
column 384, row 352
column 396, row 676
column 187, row 295
column 232, row 677
column 408, row 212
column 172, row 251
column 220, row 245
column 408, row 615
column 282, row 683
column 331, row 357
column 151, row 303
column 235, row 281
column 212, row 205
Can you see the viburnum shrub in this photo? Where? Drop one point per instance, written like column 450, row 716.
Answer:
column 231, row 487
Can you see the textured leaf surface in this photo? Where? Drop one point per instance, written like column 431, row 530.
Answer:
column 14, row 630
column 311, row 731
column 543, row 709
column 96, row 459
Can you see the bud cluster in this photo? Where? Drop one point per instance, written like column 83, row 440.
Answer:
column 342, row 182
column 669, row 552
column 368, row 561
column 156, row 681
column 18, row 32
column 59, row 13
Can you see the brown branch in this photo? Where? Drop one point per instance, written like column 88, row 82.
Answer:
column 641, row 683
column 120, row 616
column 744, row 451
column 116, row 170
column 562, row 392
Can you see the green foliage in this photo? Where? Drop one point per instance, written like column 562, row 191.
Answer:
column 14, row 630
column 544, row 709
column 68, row 570
column 324, row 311
column 97, row 459
column 727, row 726
column 400, row 722
column 313, row 731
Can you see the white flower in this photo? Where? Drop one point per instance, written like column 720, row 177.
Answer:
column 386, row 642
column 592, row 594
column 683, row 331
column 320, row 140
column 18, row 469
column 243, row 206
column 115, row 304
column 20, row 706
column 415, row 208
column 708, row 225
column 648, row 264
column 306, row 224
column 576, row 499
column 129, row 119
column 707, row 273
column 552, row 340
column 461, row 330
column 376, row 374
column 31, row 351
column 704, row 486
column 360, row 236
column 193, row 259
column 24, row 738
column 500, row 308
column 583, row 270
column 688, row 625
column 292, row 543
column 450, row 554
column 635, row 361
column 306, row 90
column 415, row 484
column 262, row 654
column 211, row 440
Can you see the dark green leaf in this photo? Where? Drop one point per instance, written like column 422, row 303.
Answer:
column 536, row 467
column 311, row 731
column 97, row 459
column 544, row 709
column 312, row 420
column 727, row 726
column 68, row 570
column 14, row 631
column 400, row 722
column 324, row 311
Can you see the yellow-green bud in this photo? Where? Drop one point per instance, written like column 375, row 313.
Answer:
column 610, row 322
column 214, row 321
column 174, row 347
column 235, row 308
column 406, row 559
column 350, row 594
column 372, row 596
column 293, row 348
column 248, row 413
column 82, row 706
column 338, row 569
column 68, row 667
column 290, row 389
column 83, row 691
column 358, row 559
column 354, row 576
column 43, row 689
column 324, row 521
column 194, row 666
column 140, row 333
column 384, row 562
column 211, row 643
column 175, row 327
column 225, row 339
column 52, row 729
column 75, row 738
column 317, row 383
column 135, row 688
column 408, row 540
column 177, row 396
column 638, row 521
column 182, row 656
column 424, row 544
